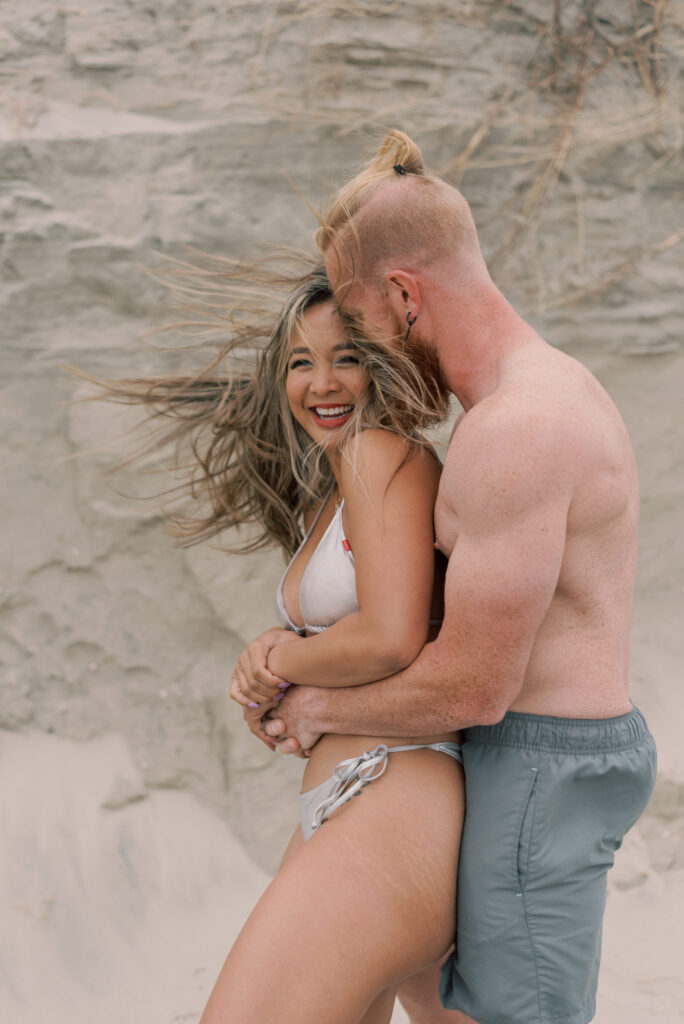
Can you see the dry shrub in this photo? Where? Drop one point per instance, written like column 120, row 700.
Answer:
column 579, row 84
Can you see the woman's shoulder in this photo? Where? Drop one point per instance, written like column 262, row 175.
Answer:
column 379, row 454
column 375, row 441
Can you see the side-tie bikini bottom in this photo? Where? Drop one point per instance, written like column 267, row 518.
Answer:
column 349, row 779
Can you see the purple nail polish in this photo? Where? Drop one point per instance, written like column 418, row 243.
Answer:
column 283, row 686
column 252, row 704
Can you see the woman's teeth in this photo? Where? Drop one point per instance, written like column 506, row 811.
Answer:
column 333, row 413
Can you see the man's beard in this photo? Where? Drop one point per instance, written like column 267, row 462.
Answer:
column 426, row 362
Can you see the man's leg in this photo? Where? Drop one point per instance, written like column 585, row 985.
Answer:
column 419, row 995
column 548, row 802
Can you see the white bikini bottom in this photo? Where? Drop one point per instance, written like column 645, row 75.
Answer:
column 349, row 778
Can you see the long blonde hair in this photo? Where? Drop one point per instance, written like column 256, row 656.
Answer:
column 241, row 457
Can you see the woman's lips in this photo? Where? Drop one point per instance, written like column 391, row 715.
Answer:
column 331, row 416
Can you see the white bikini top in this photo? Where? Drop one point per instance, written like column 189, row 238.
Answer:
column 327, row 591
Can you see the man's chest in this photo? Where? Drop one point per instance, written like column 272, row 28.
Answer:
column 447, row 517
column 446, row 521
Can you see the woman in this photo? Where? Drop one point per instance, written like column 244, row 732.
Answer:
column 326, row 430
column 370, row 899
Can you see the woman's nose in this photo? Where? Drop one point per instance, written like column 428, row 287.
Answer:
column 324, row 380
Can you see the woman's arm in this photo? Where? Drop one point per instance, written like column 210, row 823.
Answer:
column 389, row 496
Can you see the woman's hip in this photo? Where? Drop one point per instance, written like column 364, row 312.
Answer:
column 395, row 783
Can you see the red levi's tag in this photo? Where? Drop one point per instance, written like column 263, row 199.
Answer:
column 346, row 545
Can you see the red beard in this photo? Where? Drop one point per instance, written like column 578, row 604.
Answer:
column 426, row 361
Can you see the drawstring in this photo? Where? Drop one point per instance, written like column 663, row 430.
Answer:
column 351, row 776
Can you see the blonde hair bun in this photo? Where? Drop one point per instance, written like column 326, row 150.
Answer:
column 398, row 150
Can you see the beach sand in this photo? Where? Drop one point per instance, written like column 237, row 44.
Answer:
column 118, row 903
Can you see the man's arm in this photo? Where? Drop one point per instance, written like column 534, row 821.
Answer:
column 509, row 485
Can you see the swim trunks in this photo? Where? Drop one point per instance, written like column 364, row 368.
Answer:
column 350, row 777
column 548, row 802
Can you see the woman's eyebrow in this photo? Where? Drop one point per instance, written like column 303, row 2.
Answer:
column 303, row 350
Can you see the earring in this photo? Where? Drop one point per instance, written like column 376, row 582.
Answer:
column 410, row 320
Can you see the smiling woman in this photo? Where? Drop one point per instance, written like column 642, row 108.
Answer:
column 318, row 443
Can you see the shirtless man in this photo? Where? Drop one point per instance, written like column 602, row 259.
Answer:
column 537, row 514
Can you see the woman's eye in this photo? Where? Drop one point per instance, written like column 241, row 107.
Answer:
column 351, row 360
column 299, row 362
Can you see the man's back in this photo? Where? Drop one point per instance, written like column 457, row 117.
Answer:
column 578, row 664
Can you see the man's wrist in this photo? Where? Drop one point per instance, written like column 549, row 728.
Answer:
column 314, row 709
column 278, row 635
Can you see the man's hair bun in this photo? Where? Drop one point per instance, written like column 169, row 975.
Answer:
column 398, row 153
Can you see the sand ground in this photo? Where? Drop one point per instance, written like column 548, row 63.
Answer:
column 119, row 903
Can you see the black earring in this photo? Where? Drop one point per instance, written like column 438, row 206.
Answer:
column 410, row 320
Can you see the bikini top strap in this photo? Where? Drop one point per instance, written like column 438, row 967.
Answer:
column 318, row 515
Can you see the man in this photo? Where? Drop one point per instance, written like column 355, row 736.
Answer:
column 538, row 514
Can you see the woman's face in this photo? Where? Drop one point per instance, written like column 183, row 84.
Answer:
column 324, row 375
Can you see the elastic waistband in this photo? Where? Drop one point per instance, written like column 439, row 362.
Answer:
column 572, row 735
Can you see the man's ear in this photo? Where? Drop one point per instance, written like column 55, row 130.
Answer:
column 403, row 293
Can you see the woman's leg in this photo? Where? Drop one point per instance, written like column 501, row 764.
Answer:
column 380, row 1011
column 295, row 844
column 419, row 995
column 366, row 901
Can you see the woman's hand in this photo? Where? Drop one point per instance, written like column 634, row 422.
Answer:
column 253, row 684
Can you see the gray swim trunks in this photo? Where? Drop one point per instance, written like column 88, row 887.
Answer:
column 548, row 802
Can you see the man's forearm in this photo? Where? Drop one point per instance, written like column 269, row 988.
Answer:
column 422, row 699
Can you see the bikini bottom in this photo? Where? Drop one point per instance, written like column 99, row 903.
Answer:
column 350, row 777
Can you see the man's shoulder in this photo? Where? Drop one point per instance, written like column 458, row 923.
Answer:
column 507, row 418
column 548, row 423
column 553, row 397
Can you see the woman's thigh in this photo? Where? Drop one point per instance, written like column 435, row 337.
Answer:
column 293, row 847
column 369, row 899
column 381, row 1009
column 419, row 996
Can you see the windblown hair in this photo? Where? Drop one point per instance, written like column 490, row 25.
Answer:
column 420, row 219
column 241, row 457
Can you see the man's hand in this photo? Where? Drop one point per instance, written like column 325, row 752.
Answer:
column 255, row 722
column 295, row 730
column 252, row 684
column 261, row 725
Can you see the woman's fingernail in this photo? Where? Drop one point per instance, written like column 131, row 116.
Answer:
column 283, row 686
column 252, row 704
column 279, row 696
